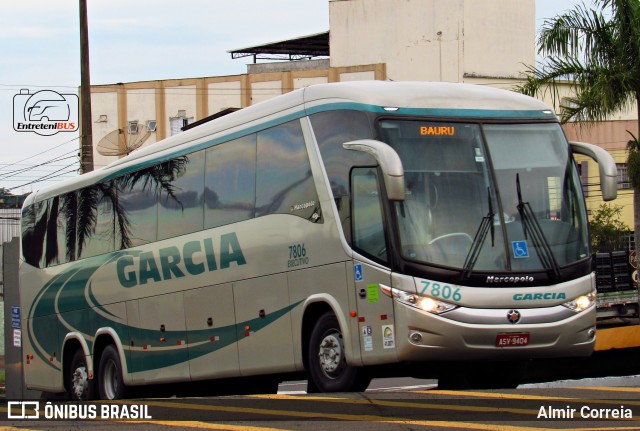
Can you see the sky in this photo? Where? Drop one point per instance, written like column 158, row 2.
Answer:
column 132, row 41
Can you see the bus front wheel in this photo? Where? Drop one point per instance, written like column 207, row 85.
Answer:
column 328, row 367
column 79, row 385
column 110, row 384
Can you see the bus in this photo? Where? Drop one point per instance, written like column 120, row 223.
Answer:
column 341, row 231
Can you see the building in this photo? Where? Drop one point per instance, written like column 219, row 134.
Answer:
column 485, row 42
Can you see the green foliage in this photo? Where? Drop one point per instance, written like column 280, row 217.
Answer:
column 633, row 161
column 608, row 232
column 597, row 51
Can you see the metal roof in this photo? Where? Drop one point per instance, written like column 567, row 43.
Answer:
column 301, row 48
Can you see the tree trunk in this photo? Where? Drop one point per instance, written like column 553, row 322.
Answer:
column 636, row 197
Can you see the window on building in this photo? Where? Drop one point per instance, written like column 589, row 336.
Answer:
column 177, row 123
column 623, row 176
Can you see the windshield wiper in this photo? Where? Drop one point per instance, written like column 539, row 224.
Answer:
column 532, row 228
column 486, row 225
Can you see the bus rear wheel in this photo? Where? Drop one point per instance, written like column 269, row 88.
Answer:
column 110, row 383
column 79, row 385
column 328, row 367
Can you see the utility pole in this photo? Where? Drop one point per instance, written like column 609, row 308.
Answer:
column 86, row 132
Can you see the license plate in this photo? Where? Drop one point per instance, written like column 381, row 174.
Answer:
column 512, row 340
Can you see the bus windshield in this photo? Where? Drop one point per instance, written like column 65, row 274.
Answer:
column 488, row 197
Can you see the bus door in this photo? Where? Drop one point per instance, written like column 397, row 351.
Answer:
column 375, row 310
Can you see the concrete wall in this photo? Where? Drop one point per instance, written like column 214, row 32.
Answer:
column 141, row 107
column 434, row 40
column 499, row 37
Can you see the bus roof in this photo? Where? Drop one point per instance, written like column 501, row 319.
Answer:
column 411, row 98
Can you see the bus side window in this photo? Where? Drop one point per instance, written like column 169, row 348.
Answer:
column 181, row 203
column 332, row 129
column 368, row 226
column 284, row 183
column 230, row 182
column 67, row 224
column 32, row 238
column 138, row 201
column 96, row 219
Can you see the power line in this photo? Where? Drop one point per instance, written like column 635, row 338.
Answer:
column 19, row 171
column 47, row 177
column 38, row 154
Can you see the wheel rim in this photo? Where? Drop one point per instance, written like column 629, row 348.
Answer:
column 80, row 382
column 111, row 380
column 331, row 355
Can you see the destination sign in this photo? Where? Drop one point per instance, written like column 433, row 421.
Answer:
column 437, row 130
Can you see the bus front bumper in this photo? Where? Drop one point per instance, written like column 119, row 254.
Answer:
column 423, row 336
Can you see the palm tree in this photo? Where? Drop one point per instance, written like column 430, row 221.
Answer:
column 597, row 52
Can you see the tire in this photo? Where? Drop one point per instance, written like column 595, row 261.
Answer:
column 80, row 387
column 110, row 383
column 328, row 367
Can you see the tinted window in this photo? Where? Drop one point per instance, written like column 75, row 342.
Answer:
column 230, row 182
column 96, row 222
column 181, row 196
column 332, row 129
column 67, row 224
column 33, row 233
column 284, row 183
column 138, row 209
column 30, row 251
column 368, row 226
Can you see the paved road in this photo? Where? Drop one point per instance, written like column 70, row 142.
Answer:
column 389, row 405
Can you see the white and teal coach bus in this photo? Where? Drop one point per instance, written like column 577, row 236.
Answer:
column 343, row 231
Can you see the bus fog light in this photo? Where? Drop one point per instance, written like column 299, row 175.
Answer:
column 416, row 337
column 591, row 333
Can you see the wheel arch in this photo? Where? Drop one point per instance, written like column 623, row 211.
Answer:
column 104, row 338
column 73, row 342
column 314, row 307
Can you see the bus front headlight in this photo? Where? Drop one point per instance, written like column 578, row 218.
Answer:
column 424, row 303
column 434, row 306
column 581, row 303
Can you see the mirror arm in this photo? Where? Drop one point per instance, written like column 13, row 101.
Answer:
column 606, row 166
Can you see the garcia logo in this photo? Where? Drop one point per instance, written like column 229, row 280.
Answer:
column 539, row 296
column 45, row 112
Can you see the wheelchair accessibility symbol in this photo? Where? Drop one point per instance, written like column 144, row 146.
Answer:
column 520, row 249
